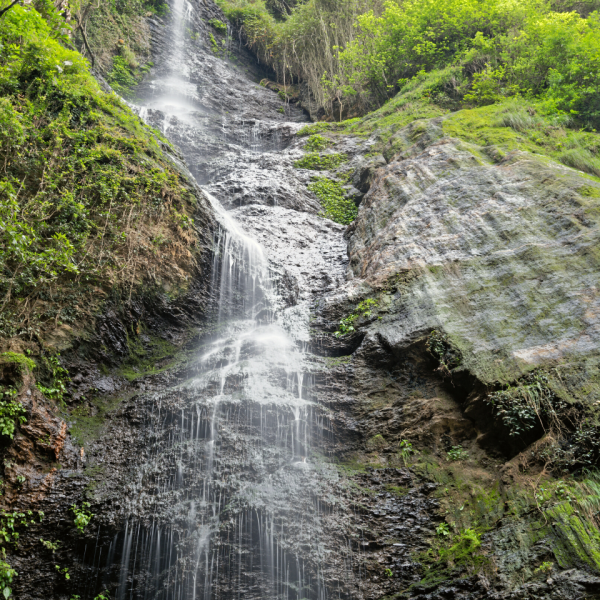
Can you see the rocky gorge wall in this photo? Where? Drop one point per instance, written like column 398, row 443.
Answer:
column 480, row 266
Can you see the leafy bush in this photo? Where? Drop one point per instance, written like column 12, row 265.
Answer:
column 529, row 402
column 7, row 574
column 457, row 453
column 52, row 546
column 356, row 54
column 406, row 451
column 82, row 515
column 121, row 76
column 465, row 544
column 440, row 347
column 335, row 205
column 8, row 535
column 11, row 413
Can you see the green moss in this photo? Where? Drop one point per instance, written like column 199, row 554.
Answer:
column 397, row 490
column 335, row 205
column 377, row 442
column 317, row 142
column 575, row 537
column 519, row 125
column 333, row 362
column 21, row 360
column 589, row 192
column 315, row 128
column 88, row 420
column 320, row 162
column 149, row 357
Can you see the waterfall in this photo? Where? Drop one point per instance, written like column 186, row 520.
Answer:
column 229, row 495
column 232, row 449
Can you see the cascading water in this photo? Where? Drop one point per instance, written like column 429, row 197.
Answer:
column 231, row 498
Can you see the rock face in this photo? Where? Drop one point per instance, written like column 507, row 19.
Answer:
column 231, row 446
column 500, row 254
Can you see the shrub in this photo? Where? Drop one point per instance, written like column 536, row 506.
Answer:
column 440, row 347
column 528, row 402
column 356, row 54
column 7, row 574
column 457, row 453
column 363, row 309
column 83, row 180
column 11, row 413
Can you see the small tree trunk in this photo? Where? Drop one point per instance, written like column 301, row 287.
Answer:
column 87, row 46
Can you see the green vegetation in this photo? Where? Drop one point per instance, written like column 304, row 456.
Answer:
column 218, row 25
column 52, row 546
column 147, row 357
column 406, row 451
column 320, row 162
column 63, row 571
column 9, row 536
column 545, row 567
column 84, row 184
column 333, row 199
column 20, row 360
column 315, row 128
column 7, row 574
column 82, row 515
column 10, row 521
column 440, row 347
column 364, row 309
column 57, row 378
column 214, row 44
column 356, row 54
column 117, row 36
column 522, row 406
column 560, row 513
column 11, row 413
column 13, row 367
column 457, row 453
column 317, row 142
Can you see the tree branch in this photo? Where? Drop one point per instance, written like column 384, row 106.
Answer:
column 5, row 10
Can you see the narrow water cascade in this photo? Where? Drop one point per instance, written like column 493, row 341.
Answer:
column 251, row 401
column 230, row 496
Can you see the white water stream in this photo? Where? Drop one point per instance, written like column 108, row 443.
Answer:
column 230, row 478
